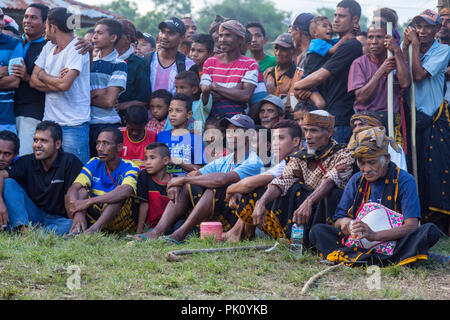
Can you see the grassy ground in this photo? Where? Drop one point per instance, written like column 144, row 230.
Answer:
column 37, row 266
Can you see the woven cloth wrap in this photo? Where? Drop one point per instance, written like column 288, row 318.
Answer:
column 366, row 118
column 234, row 26
column 370, row 142
column 319, row 120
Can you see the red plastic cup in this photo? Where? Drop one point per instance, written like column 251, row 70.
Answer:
column 211, row 229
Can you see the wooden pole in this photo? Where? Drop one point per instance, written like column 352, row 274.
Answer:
column 390, row 90
column 413, row 120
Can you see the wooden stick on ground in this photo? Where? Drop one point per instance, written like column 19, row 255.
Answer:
column 175, row 255
column 318, row 275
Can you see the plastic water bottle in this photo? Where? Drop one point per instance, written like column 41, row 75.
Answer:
column 297, row 240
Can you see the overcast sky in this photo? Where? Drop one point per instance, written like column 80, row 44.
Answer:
column 406, row 9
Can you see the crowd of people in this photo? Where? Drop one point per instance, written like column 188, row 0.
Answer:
column 148, row 137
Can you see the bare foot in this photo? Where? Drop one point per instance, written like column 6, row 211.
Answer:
column 235, row 234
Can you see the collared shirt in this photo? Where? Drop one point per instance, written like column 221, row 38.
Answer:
column 279, row 84
column 109, row 71
column 407, row 195
column 29, row 102
column 47, row 188
column 138, row 79
column 338, row 167
column 10, row 48
column 429, row 92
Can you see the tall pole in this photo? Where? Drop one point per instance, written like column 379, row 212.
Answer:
column 413, row 120
column 390, row 90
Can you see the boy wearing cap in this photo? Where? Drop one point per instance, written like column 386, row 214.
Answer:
column 146, row 44
column 205, row 193
column 279, row 78
column 168, row 61
column 429, row 63
column 270, row 111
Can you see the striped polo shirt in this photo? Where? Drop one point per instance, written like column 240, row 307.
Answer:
column 99, row 181
column 109, row 71
column 10, row 48
column 243, row 69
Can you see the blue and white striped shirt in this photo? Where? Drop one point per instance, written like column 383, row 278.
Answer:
column 109, row 71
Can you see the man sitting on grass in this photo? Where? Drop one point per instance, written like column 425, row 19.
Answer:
column 102, row 196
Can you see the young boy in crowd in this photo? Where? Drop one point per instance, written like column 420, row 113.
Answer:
column 186, row 148
column 202, row 48
column 188, row 83
column 159, row 109
column 136, row 136
column 151, row 186
column 302, row 108
column 322, row 46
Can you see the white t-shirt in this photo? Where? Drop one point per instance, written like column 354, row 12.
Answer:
column 71, row 107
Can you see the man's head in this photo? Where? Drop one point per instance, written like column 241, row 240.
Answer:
column 89, row 35
column 318, row 127
column 286, row 137
column 128, row 37
column 236, row 128
column 188, row 83
column 59, row 21
column 9, row 148
column 427, row 25
column 362, row 38
column 157, row 157
column 369, row 146
column 47, row 140
column 231, row 36
column 299, row 28
column 386, row 15
column 320, row 28
column 346, row 16
column 375, row 38
column 271, row 110
column 145, row 43
column 259, row 38
column 136, row 118
column 214, row 31
column 159, row 104
column 201, row 49
column 109, row 144
column 301, row 108
column 171, row 33
column 180, row 110
column 107, row 33
column 191, row 28
column 365, row 119
column 284, row 49
column 444, row 32
column 34, row 20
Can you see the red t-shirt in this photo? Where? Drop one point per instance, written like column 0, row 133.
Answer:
column 135, row 150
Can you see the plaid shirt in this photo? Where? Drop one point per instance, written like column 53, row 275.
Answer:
column 155, row 125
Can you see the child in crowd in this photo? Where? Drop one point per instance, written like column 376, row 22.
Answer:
column 188, row 83
column 202, row 48
column 302, row 108
column 136, row 136
column 321, row 48
column 152, row 185
column 186, row 148
column 213, row 133
column 159, row 108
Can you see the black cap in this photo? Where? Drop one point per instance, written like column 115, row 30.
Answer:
column 302, row 21
column 174, row 24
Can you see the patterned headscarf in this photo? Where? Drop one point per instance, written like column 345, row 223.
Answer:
column 370, row 142
column 368, row 118
column 319, row 118
column 235, row 27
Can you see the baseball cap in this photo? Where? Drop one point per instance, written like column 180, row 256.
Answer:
column 148, row 37
column 302, row 21
column 429, row 16
column 174, row 24
column 284, row 40
column 273, row 99
column 239, row 120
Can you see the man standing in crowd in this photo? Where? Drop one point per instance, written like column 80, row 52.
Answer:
column 137, row 90
column 108, row 79
column 64, row 74
column 259, row 40
column 10, row 48
column 429, row 63
column 230, row 77
column 331, row 79
column 167, row 62
column 28, row 102
column 35, row 186
column 191, row 32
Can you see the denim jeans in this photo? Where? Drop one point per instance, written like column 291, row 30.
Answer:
column 342, row 134
column 26, row 127
column 22, row 211
column 76, row 141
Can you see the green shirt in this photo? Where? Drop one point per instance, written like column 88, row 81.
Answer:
column 267, row 62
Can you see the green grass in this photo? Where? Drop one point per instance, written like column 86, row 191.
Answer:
column 35, row 266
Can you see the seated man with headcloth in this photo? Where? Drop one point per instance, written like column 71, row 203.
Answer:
column 372, row 119
column 377, row 220
column 309, row 189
